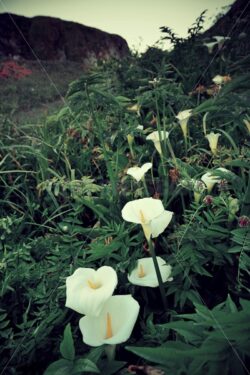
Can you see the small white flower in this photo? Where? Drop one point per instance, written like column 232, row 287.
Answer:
column 87, row 290
column 213, row 141
column 210, row 178
column 183, row 118
column 140, row 127
column 155, row 138
column 221, row 40
column 148, row 212
column 218, row 80
column 115, row 323
column 210, row 46
column 144, row 274
column 139, row 172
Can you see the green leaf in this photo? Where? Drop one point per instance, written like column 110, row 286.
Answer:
column 67, row 348
column 85, row 365
column 162, row 354
column 60, row 367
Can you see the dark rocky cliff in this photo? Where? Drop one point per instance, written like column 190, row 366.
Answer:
column 55, row 39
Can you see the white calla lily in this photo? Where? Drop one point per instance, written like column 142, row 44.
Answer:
column 210, row 46
column 139, row 172
column 114, row 324
column 148, row 212
column 213, row 141
column 210, row 178
column 183, row 118
column 155, row 138
column 87, row 289
column 144, row 274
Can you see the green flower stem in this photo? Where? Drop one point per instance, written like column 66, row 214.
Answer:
column 110, row 352
column 145, row 186
column 172, row 152
column 158, row 274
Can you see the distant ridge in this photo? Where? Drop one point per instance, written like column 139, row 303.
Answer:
column 55, row 39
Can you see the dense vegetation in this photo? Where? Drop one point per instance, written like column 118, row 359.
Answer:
column 64, row 184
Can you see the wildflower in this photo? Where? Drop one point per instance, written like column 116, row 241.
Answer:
column 208, row 200
column 210, row 178
column 155, row 138
column 114, row 324
column 144, row 274
column 148, row 212
column 244, row 221
column 87, row 289
column 183, row 118
column 139, row 172
column 213, row 141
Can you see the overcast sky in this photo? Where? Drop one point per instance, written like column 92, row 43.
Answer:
column 137, row 21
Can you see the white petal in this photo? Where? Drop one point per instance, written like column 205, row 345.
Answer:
column 145, row 167
column 123, row 311
column 155, row 136
column 150, row 278
column 149, row 207
column 160, row 223
column 84, row 299
column 136, row 172
column 183, row 115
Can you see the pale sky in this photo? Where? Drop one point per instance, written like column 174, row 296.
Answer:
column 138, row 21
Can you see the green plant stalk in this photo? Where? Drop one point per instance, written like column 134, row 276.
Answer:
column 110, row 352
column 100, row 136
column 145, row 186
column 158, row 274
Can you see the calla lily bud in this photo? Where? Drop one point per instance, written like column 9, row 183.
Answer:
column 135, row 108
column 247, row 123
column 114, row 324
column 148, row 212
column 213, row 141
column 144, row 274
column 87, row 290
column 233, row 207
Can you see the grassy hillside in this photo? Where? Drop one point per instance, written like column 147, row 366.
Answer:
column 32, row 97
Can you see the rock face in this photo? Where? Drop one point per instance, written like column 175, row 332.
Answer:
column 235, row 24
column 55, row 39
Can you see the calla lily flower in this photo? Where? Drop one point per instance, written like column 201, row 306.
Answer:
column 155, row 138
column 210, row 178
column 148, row 212
column 139, row 172
column 210, row 46
column 144, row 274
column 213, row 141
column 87, row 289
column 221, row 40
column 140, row 127
column 114, row 324
column 183, row 118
